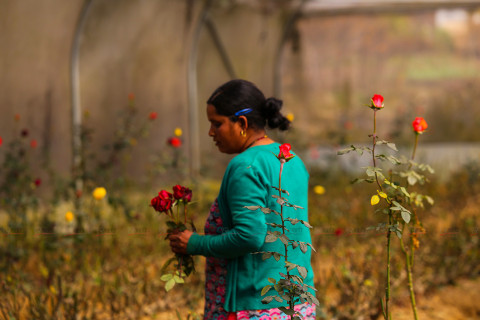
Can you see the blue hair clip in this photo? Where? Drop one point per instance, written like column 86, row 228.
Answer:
column 243, row 111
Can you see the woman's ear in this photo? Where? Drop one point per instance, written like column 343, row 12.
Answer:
column 242, row 120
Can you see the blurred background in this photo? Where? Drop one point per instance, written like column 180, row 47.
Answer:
column 111, row 94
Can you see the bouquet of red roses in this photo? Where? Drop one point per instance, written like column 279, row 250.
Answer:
column 166, row 202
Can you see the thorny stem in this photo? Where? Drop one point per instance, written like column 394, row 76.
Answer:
column 389, row 234
column 409, row 266
column 374, row 143
column 282, row 162
column 387, row 289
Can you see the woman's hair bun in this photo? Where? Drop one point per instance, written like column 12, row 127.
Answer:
column 273, row 116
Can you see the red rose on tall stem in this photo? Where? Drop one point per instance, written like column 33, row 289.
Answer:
column 285, row 152
column 376, row 102
column 419, row 125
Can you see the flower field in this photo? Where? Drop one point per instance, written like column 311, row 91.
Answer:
column 98, row 252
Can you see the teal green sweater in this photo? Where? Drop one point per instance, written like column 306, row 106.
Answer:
column 248, row 181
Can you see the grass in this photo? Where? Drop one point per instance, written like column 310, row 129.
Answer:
column 114, row 272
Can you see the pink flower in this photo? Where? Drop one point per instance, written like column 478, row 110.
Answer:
column 419, row 125
column 1, row 141
column 377, row 102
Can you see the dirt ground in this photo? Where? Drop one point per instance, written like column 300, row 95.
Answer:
column 456, row 302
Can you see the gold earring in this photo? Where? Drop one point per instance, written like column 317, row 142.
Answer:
column 243, row 133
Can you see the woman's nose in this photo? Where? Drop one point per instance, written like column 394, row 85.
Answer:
column 210, row 132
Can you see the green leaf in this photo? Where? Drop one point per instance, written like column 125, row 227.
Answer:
column 392, row 146
column 430, row 200
column 303, row 247
column 266, row 255
column 178, row 279
column 266, row 210
column 288, row 312
column 271, row 280
column 294, row 244
column 345, row 151
column 290, row 266
column 266, row 289
column 302, row 271
column 284, row 239
column 271, row 237
column 306, row 224
column 267, row 300
column 166, row 277
column 169, row 285
column 405, row 216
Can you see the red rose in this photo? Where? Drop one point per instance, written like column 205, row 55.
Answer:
column 162, row 202
column 285, row 152
column 182, row 193
column 152, row 115
column 38, row 182
column 175, row 142
column 419, row 125
column 178, row 192
column 188, row 195
column 377, row 102
column 338, row 231
column 33, row 143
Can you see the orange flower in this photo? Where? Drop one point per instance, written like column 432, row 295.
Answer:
column 419, row 125
column 131, row 96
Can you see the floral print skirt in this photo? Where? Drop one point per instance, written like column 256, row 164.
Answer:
column 215, row 282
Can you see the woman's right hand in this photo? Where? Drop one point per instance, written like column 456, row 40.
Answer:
column 179, row 241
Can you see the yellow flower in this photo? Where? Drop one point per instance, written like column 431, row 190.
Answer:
column 52, row 289
column 374, row 200
column 178, row 132
column 319, row 189
column 99, row 193
column 133, row 141
column 290, row 117
column 69, row 216
column 368, row 283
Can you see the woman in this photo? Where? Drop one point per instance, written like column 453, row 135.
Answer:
column 238, row 113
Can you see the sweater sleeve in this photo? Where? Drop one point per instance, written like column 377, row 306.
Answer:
column 244, row 187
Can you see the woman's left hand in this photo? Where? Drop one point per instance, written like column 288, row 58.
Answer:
column 179, row 241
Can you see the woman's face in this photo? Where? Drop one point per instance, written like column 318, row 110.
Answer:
column 225, row 132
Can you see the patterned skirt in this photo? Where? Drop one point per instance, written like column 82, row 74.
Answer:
column 215, row 286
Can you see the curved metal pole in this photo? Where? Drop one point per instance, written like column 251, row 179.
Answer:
column 194, row 164
column 277, row 66
column 76, row 106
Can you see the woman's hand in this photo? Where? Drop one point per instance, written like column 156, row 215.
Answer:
column 179, row 241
